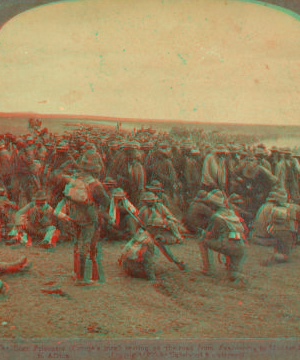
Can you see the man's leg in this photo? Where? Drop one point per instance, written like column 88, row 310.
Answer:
column 282, row 249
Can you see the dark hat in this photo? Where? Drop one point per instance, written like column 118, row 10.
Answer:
column 221, row 149
column 217, row 197
column 40, row 195
column 150, row 197
column 62, row 147
column 261, row 151
column 285, row 150
column 119, row 193
column 109, row 182
column 155, row 186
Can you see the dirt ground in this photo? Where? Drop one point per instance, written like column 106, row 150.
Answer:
column 188, row 305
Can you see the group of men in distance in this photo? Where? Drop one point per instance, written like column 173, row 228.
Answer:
column 152, row 190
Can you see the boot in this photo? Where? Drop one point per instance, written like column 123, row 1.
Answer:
column 82, row 266
column 101, row 277
column 76, row 272
column 206, row 263
column 95, row 274
column 88, row 270
column 87, row 273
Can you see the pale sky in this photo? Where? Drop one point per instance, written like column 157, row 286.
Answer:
column 204, row 60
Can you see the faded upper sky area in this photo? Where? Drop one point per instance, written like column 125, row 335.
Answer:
column 208, row 61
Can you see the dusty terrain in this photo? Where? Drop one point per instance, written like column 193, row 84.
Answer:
column 189, row 305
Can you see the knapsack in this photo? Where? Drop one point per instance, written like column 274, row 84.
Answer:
column 80, row 191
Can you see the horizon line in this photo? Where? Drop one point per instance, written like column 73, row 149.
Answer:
column 112, row 118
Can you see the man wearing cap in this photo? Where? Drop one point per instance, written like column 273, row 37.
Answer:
column 214, row 171
column 224, row 234
column 36, row 221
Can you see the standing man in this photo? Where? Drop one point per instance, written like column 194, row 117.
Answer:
column 85, row 199
column 214, row 171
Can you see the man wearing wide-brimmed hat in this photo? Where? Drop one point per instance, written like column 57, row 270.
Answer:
column 257, row 182
column 163, row 170
column 225, row 234
column 93, row 162
column 214, row 171
column 260, row 234
column 261, row 153
column 165, row 224
column 280, row 221
column 62, row 164
column 27, row 171
column 287, row 171
column 85, row 202
column 157, row 188
column 162, row 225
column 138, row 256
column 131, row 174
column 36, row 222
column 192, row 174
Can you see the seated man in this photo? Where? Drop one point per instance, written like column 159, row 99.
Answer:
column 154, row 213
column 260, row 234
column 138, row 256
column 225, row 235
column 283, row 227
column 157, row 188
column 36, row 221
